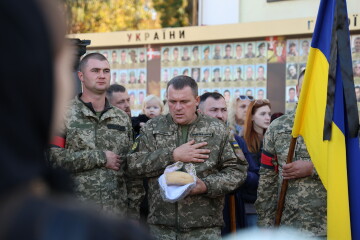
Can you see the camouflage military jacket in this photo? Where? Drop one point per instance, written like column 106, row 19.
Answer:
column 87, row 136
column 305, row 202
column 222, row 172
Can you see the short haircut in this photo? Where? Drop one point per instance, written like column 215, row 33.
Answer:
column 213, row 95
column 85, row 59
column 291, row 89
column 228, row 46
column 207, row 49
column 166, row 50
column 306, row 42
column 261, row 45
column 114, row 88
column 179, row 82
column 195, row 48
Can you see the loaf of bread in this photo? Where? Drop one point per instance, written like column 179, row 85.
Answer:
column 178, row 178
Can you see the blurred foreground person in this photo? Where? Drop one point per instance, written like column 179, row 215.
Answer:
column 34, row 203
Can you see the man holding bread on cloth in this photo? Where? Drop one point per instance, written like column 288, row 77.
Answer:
column 197, row 142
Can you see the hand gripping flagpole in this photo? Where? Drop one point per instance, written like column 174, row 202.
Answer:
column 284, row 185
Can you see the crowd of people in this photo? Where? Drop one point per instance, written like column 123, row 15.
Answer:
column 101, row 175
column 116, row 159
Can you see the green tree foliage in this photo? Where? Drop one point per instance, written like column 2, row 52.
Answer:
column 110, row 15
column 173, row 13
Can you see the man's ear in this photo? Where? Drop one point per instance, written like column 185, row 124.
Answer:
column 81, row 76
column 197, row 100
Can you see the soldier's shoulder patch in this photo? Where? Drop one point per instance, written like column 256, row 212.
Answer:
column 239, row 153
column 235, row 144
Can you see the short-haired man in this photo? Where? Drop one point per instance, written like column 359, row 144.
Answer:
column 227, row 74
column 305, row 207
column 261, row 74
column 207, row 53
column 217, row 77
column 206, row 75
column 185, row 56
column 250, row 53
column 165, row 56
column 292, row 72
column 356, row 46
column 292, row 49
column 261, row 50
column 123, row 57
column 175, row 54
column 195, row 54
column 260, row 94
column 238, row 75
column 95, row 143
column 185, row 136
column 228, row 52
column 305, row 46
column 249, row 73
column 114, row 60
column 217, row 52
column 291, row 98
column 214, row 105
column 119, row 97
column 238, row 51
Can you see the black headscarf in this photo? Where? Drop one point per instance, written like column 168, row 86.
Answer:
column 26, row 92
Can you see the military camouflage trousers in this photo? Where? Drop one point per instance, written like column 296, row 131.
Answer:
column 160, row 232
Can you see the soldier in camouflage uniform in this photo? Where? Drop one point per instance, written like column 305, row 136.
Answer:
column 96, row 140
column 305, row 202
column 186, row 136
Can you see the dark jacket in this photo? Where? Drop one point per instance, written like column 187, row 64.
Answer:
column 135, row 121
column 249, row 189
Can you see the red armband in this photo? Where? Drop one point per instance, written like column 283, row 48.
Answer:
column 58, row 141
column 267, row 160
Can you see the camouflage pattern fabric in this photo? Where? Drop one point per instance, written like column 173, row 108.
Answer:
column 87, row 137
column 165, row 233
column 222, row 172
column 305, row 202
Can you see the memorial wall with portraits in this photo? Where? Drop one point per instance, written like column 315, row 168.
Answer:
column 231, row 68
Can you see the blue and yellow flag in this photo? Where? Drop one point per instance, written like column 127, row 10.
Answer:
column 327, row 118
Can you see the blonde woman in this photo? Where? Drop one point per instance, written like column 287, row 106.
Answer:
column 237, row 113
